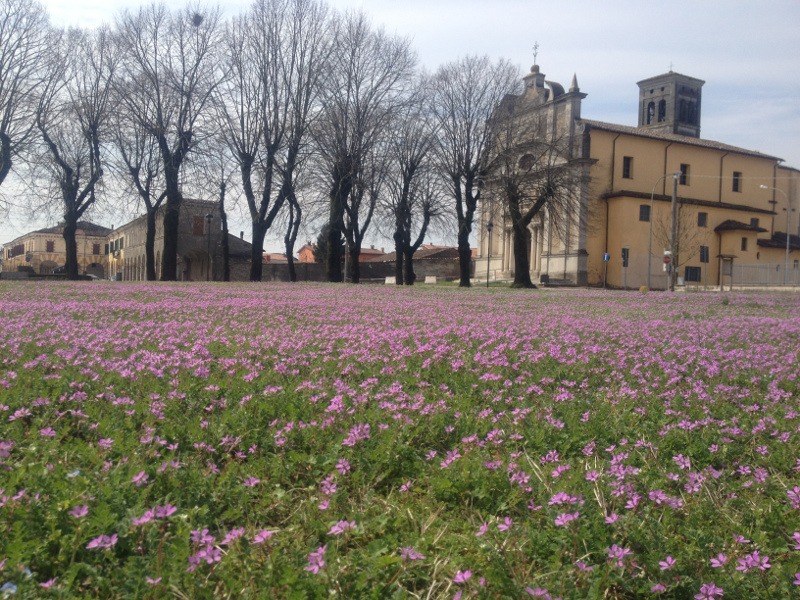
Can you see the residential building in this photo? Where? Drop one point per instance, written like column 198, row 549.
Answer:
column 44, row 251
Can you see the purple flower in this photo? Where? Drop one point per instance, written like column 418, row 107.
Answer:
column 315, row 561
column 102, row 542
column 79, row 511
column 462, row 576
column 719, row 561
column 251, row 482
column 162, row 512
column 709, row 591
column 667, row 563
column 262, row 536
column 140, row 478
column 342, row 526
column 482, row 529
column 505, row 525
column 409, row 553
column 233, row 535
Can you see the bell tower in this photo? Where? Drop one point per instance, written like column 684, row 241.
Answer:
column 670, row 103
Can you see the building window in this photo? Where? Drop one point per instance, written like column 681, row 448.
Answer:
column 662, row 111
column 627, row 167
column 50, row 246
column 106, row 248
column 737, row 181
column 198, row 225
column 651, row 112
column 684, row 178
column 95, row 248
column 692, row 274
column 744, row 244
column 702, row 219
column 644, row 212
column 754, row 222
column 704, row 254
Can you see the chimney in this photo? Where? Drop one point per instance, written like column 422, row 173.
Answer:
column 241, row 235
column 372, row 247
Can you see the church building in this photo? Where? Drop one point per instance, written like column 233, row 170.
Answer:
column 736, row 217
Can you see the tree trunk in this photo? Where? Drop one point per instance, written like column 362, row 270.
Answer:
column 169, row 260
column 522, row 271
column 226, row 248
column 70, row 228
column 398, row 259
column 409, row 277
column 150, row 245
column 333, row 261
column 355, row 265
column 257, row 251
column 291, row 236
column 5, row 156
column 464, row 257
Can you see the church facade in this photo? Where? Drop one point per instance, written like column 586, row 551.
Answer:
column 734, row 207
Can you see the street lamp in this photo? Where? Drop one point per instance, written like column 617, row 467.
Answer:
column 209, row 217
column 788, row 213
column 650, row 235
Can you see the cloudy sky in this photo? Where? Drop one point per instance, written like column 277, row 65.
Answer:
column 748, row 53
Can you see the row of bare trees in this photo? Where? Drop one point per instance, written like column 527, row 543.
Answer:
column 295, row 108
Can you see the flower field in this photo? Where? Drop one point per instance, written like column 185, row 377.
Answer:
column 309, row 441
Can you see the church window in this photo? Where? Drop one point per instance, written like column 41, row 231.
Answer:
column 651, row 112
column 662, row 111
column 737, row 181
column 683, row 111
column 684, row 177
column 644, row 212
column 627, row 167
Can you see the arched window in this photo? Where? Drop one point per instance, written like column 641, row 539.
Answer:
column 651, row 112
column 662, row 110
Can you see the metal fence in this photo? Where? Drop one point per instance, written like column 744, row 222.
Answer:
column 766, row 275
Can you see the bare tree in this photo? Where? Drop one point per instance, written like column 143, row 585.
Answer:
column 23, row 56
column 274, row 57
column 72, row 117
column 365, row 83
column 688, row 238
column 138, row 160
column 466, row 93
column 414, row 198
column 530, row 172
column 170, row 73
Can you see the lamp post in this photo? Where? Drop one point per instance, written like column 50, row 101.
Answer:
column 209, row 217
column 788, row 213
column 650, row 235
column 489, row 227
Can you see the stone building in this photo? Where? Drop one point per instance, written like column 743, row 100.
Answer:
column 735, row 206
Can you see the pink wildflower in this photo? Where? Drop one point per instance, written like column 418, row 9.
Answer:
column 709, row 591
column 262, row 536
column 315, row 560
column 462, row 576
column 409, row 553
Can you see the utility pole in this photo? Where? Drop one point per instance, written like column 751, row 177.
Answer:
column 673, row 242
